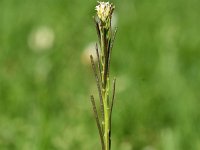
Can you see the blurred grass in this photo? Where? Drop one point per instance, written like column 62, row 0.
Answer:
column 44, row 94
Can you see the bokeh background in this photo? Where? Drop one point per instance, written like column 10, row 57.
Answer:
column 46, row 79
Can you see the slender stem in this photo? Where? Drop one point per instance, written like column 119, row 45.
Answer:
column 106, row 121
column 105, row 89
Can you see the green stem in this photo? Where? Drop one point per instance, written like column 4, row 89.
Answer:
column 105, row 94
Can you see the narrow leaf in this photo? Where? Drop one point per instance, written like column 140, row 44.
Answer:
column 98, row 85
column 111, row 47
column 97, row 28
column 99, row 63
column 113, row 97
column 97, row 121
column 111, row 108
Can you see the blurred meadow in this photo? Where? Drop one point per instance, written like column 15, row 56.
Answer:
column 46, row 79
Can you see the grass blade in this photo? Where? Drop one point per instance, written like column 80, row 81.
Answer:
column 97, row 121
column 98, row 85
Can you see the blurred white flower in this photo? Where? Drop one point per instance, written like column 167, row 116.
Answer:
column 89, row 50
column 41, row 39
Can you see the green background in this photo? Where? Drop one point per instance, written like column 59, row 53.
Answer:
column 44, row 92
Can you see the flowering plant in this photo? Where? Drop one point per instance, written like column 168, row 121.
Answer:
column 106, row 39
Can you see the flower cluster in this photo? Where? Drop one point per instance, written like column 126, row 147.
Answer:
column 104, row 10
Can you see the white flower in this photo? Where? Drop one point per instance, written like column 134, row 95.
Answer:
column 104, row 10
column 41, row 39
column 90, row 49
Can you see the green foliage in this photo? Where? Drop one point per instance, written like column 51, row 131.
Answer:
column 44, row 89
